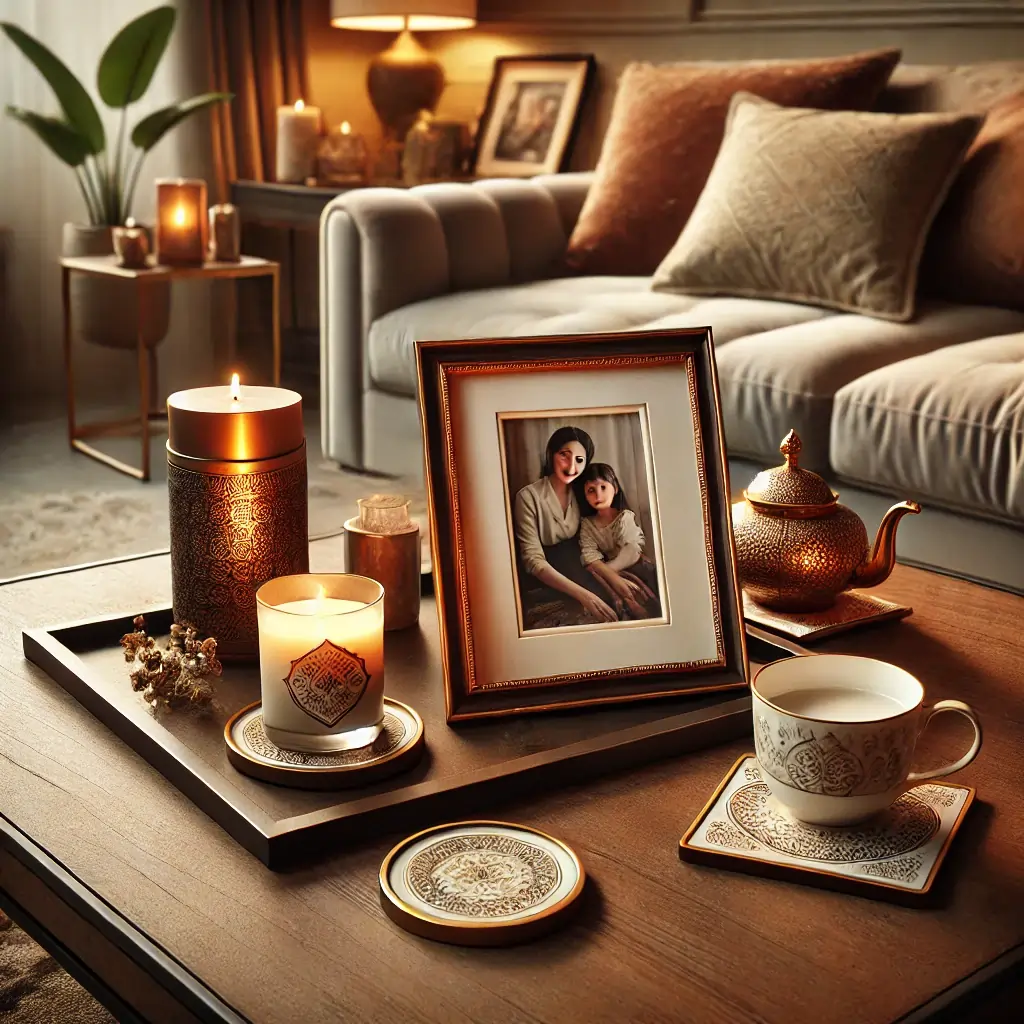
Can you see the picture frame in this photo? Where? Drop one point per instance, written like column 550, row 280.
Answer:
column 532, row 114
column 580, row 520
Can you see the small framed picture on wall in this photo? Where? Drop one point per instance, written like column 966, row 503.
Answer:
column 532, row 114
column 580, row 520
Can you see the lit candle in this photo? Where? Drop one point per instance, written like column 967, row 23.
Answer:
column 180, row 221
column 236, row 479
column 321, row 641
column 131, row 245
column 298, row 132
column 342, row 157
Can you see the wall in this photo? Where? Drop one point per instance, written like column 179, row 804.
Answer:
column 38, row 194
column 617, row 31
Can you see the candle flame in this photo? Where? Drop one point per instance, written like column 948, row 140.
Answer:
column 236, row 387
column 321, row 595
column 346, row 128
column 179, row 215
column 299, row 105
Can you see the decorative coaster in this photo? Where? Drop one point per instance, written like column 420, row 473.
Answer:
column 853, row 608
column 895, row 856
column 398, row 747
column 480, row 883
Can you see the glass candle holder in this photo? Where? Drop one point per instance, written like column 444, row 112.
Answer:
column 180, row 221
column 225, row 233
column 321, row 660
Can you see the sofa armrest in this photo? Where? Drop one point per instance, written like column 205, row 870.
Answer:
column 384, row 248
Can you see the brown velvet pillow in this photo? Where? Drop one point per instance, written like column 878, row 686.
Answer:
column 665, row 130
column 975, row 251
column 825, row 207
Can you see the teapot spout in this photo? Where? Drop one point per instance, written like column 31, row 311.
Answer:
column 877, row 568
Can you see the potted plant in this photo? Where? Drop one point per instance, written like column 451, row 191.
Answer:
column 106, row 311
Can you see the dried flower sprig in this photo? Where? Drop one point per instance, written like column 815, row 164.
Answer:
column 178, row 676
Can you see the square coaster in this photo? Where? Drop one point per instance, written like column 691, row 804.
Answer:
column 852, row 609
column 894, row 857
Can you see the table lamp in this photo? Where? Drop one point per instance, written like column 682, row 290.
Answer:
column 405, row 78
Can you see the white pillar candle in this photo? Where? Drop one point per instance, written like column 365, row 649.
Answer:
column 321, row 660
column 298, row 135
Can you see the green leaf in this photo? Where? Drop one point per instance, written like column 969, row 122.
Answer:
column 65, row 141
column 128, row 63
column 77, row 104
column 150, row 130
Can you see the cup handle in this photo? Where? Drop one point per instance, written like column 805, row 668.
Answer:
column 968, row 712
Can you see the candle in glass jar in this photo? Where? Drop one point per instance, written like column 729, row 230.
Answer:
column 180, row 221
column 225, row 233
column 321, row 641
column 298, row 133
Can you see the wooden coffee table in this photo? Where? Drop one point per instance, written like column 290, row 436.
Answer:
column 166, row 918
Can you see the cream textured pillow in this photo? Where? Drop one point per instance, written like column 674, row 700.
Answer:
column 830, row 208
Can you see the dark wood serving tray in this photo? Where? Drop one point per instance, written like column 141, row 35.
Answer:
column 465, row 770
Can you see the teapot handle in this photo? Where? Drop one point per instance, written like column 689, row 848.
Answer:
column 961, row 709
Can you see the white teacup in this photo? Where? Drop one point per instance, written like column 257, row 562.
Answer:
column 835, row 735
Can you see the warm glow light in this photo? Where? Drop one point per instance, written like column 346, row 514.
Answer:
column 396, row 23
column 300, row 105
column 320, row 595
column 179, row 216
column 236, row 387
column 346, row 128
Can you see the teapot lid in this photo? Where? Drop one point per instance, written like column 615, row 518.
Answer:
column 788, row 484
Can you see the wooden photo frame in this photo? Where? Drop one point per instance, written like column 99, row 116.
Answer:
column 532, row 114
column 579, row 512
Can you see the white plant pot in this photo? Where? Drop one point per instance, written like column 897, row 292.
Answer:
column 105, row 311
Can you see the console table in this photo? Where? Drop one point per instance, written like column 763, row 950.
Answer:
column 166, row 918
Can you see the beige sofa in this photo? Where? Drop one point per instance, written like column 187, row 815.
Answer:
column 932, row 409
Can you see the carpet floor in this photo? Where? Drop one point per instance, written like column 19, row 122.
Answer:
column 59, row 507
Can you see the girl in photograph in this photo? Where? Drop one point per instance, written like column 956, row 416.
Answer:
column 546, row 517
column 612, row 544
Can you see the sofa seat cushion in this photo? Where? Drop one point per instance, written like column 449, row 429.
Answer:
column 947, row 427
column 561, row 306
column 788, row 378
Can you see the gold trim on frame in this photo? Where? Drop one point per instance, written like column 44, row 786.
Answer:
column 479, row 933
column 434, row 378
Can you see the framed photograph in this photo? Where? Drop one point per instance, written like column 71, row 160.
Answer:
column 579, row 508
column 532, row 113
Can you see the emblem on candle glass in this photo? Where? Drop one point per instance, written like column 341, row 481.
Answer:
column 327, row 682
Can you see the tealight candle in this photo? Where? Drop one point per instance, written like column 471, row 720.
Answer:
column 321, row 643
column 298, row 132
column 236, row 481
column 342, row 157
column 180, row 221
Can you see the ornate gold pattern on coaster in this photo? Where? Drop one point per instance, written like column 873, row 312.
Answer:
column 895, row 856
column 327, row 682
column 484, row 875
column 480, row 883
column 397, row 748
column 230, row 533
column 852, row 609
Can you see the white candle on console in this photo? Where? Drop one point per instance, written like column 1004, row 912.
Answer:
column 321, row 660
column 298, row 134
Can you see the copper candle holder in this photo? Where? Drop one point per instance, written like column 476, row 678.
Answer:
column 236, row 481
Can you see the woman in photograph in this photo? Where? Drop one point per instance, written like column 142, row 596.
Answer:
column 612, row 544
column 547, row 521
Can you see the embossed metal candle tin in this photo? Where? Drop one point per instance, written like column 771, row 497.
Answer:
column 236, row 481
column 322, row 661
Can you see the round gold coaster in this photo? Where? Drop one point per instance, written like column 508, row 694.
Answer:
column 480, row 883
column 398, row 748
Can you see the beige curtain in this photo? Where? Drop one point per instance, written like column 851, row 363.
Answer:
column 257, row 51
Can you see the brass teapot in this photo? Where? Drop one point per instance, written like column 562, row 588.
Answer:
column 797, row 548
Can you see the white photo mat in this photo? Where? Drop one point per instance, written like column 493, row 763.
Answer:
column 692, row 633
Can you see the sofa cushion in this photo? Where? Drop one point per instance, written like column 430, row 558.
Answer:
column 830, row 207
column 946, row 427
column 665, row 129
column 787, row 378
column 559, row 306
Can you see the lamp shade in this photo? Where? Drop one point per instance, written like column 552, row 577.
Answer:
column 396, row 15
